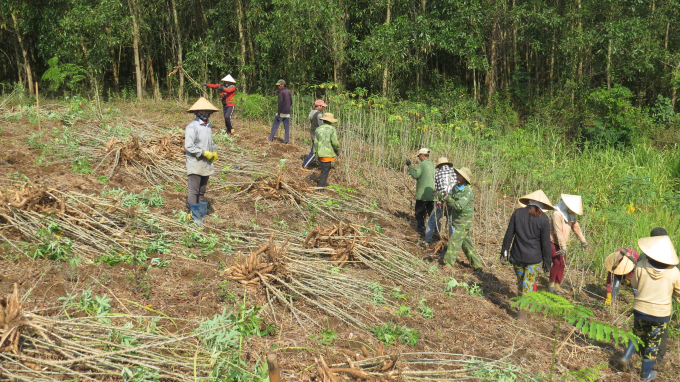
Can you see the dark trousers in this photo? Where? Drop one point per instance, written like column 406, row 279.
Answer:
column 323, row 177
column 227, row 118
column 275, row 127
column 197, row 186
column 309, row 158
column 651, row 334
column 423, row 208
column 557, row 269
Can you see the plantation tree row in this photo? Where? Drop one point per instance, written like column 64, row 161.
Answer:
column 521, row 50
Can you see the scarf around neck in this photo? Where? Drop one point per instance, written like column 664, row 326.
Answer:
column 567, row 215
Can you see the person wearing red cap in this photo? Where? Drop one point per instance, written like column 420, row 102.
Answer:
column 315, row 119
column 228, row 92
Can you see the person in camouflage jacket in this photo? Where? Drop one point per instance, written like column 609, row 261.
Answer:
column 326, row 146
column 461, row 202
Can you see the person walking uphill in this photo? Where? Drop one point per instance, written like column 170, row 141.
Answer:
column 201, row 153
column 527, row 242
column 326, row 146
column 315, row 119
column 283, row 111
column 563, row 222
column 461, row 204
column 228, row 91
column 656, row 279
column 424, row 175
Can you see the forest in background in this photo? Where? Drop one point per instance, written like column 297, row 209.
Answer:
column 593, row 64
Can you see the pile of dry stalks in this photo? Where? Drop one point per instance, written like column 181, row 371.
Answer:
column 12, row 322
column 251, row 270
column 30, row 197
column 341, row 238
column 277, row 189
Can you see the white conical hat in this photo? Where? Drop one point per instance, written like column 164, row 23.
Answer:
column 537, row 196
column 574, row 203
column 659, row 248
column 202, row 104
column 229, row 78
column 624, row 266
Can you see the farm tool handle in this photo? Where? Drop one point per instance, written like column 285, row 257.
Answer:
column 178, row 68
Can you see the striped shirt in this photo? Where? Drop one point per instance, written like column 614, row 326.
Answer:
column 444, row 180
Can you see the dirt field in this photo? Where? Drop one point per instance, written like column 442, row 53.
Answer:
column 189, row 289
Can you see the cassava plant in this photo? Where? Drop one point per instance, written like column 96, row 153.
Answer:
column 579, row 316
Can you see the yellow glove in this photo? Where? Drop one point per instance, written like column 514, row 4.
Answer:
column 210, row 155
column 608, row 301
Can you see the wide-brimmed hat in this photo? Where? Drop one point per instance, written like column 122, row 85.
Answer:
column 443, row 160
column 659, row 248
column 618, row 264
column 424, row 151
column 537, row 196
column 329, row 117
column 320, row 102
column 280, row 82
column 202, row 104
column 574, row 203
column 229, row 78
column 465, row 173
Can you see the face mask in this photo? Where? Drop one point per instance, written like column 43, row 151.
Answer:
column 203, row 116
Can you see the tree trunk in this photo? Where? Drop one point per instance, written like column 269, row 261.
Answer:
column 135, row 44
column 675, row 78
column 20, row 72
column 385, row 72
column 154, row 83
column 494, row 69
column 665, row 43
column 24, row 53
column 609, row 65
column 179, row 50
column 242, row 40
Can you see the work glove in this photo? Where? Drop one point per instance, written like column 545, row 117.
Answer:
column 562, row 252
column 584, row 245
column 204, row 84
column 504, row 257
column 546, row 267
column 210, row 155
column 408, row 162
column 608, row 301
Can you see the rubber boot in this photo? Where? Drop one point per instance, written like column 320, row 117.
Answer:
column 647, row 373
column 624, row 361
column 196, row 213
column 522, row 315
column 203, row 208
column 615, row 292
column 551, row 288
column 558, row 288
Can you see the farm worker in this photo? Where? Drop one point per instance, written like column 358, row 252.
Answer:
column 315, row 119
column 444, row 181
column 620, row 266
column 529, row 235
column 228, row 90
column 201, row 153
column 656, row 279
column 563, row 222
column 424, row 175
column 326, row 146
column 283, row 111
column 461, row 203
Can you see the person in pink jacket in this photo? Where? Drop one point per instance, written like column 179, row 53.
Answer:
column 563, row 222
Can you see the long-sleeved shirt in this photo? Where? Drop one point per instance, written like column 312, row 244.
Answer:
column 326, row 143
column 285, row 102
column 444, row 180
column 529, row 236
column 462, row 207
column 228, row 93
column 424, row 175
column 656, row 288
column 315, row 119
column 631, row 252
column 560, row 230
column 197, row 139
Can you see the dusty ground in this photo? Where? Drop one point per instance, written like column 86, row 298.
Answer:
column 189, row 289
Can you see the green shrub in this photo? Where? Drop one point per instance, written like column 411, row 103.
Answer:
column 389, row 334
column 53, row 244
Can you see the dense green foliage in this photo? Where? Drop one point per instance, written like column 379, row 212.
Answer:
column 519, row 51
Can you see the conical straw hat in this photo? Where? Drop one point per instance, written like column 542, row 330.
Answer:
column 229, row 78
column 443, row 160
column 624, row 267
column 202, row 104
column 328, row 117
column 519, row 204
column 573, row 202
column 465, row 173
column 537, row 196
column 659, row 248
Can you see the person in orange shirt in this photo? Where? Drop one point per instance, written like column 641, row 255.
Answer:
column 228, row 91
column 563, row 222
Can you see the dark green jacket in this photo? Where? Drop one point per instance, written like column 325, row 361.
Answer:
column 326, row 142
column 424, row 174
column 462, row 206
